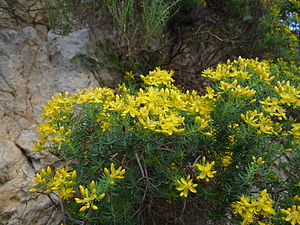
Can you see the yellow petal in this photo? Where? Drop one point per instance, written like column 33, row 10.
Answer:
column 192, row 189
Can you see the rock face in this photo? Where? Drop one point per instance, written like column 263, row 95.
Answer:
column 19, row 13
column 34, row 66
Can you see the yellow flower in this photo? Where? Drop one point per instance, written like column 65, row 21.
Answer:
column 259, row 121
column 226, row 160
column 245, row 208
column 257, row 161
column 66, row 193
column 131, row 106
column 173, row 166
column 206, row 169
column 296, row 198
column 250, row 117
column 61, row 181
column 185, row 186
column 292, row 214
column 88, row 197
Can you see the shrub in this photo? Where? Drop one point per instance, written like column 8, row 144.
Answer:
column 236, row 147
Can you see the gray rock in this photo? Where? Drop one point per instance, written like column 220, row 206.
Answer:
column 32, row 69
column 62, row 49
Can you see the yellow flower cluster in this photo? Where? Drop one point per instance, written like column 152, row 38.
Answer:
column 274, row 108
column 292, row 214
column 241, row 69
column 158, row 77
column 88, row 197
column 249, row 208
column 206, row 172
column 161, row 106
column 90, row 194
column 288, row 68
column 288, row 93
column 261, row 122
column 156, row 108
column 236, row 89
column 61, row 182
column 227, row 159
column 114, row 174
column 258, row 161
column 295, row 131
column 129, row 75
column 59, row 107
column 159, row 109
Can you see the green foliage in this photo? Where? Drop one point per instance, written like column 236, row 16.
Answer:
column 154, row 16
column 123, row 14
column 236, row 146
column 263, row 26
column 145, row 34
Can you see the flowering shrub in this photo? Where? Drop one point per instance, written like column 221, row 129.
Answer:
column 237, row 146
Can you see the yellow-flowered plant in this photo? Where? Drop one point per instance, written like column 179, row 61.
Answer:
column 246, row 124
column 62, row 182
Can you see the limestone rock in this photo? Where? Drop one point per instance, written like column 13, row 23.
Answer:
column 19, row 13
column 33, row 67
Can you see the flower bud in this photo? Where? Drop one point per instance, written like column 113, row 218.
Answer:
column 32, row 190
column 101, row 196
column 74, row 174
column 92, row 185
column 94, row 207
column 82, row 209
column 43, row 172
column 106, row 171
column 49, row 170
